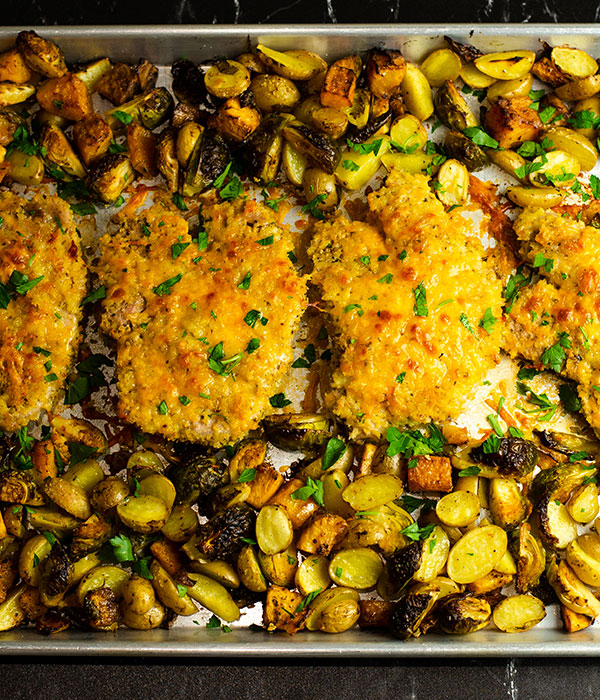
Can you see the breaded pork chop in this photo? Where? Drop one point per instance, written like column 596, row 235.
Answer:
column 43, row 281
column 555, row 322
column 414, row 305
column 203, row 325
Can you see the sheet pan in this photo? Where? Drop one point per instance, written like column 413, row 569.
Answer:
column 162, row 45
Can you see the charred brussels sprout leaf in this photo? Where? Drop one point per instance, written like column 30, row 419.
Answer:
column 315, row 145
column 461, row 148
column 221, row 537
column 557, row 482
column 409, row 613
column 298, row 431
column 56, row 572
column 208, row 161
column 403, row 564
column 262, row 151
column 514, row 457
column 461, row 614
column 188, row 83
column 197, row 478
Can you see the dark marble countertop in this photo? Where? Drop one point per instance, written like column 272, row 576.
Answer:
column 127, row 679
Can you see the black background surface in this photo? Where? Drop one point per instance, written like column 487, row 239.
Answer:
column 150, row 679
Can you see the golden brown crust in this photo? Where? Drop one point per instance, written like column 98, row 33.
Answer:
column 173, row 309
column 430, row 473
column 398, row 367
column 38, row 239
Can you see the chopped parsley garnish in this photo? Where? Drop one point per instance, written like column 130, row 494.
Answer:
column 411, row 443
column 411, row 503
column 177, row 249
column 162, row 407
column 400, row 377
column 95, row 295
column 123, row 117
column 308, row 600
column 165, row 287
column 463, row 318
column 51, row 377
column 313, row 488
column 247, row 475
column 253, row 316
column 350, row 165
column 333, row 451
column 266, row 241
column 83, row 209
column 115, row 147
column 569, row 397
column 184, row 401
column 79, row 452
column 253, row 345
column 480, row 137
column 496, row 427
column 595, row 186
column 420, row 305
column 309, row 357
column 232, row 190
column 488, row 321
column 365, row 259
column 547, row 114
column 179, row 202
column 312, row 207
column 90, row 377
column 365, row 147
column 386, row 279
column 352, row 307
column 527, row 373
column 220, row 180
column 472, row 471
column 279, row 400
column 543, row 403
column 416, row 533
column 18, row 283
column 555, row 356
column 219, row 363
column 245, row 283
column 541, row 260
column 515, row 283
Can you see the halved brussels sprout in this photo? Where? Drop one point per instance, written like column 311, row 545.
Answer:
column 151, row 110
column 59, row 151
column 110, row 176
column 221, row 537
column 531, row 559
column 207, row 161
column 463, row 613
column 515, row 458
column 42, row 55
column 462, row 148
column 166, row 158
column 316, row 146
column 262, row 151
column 306, row 432
column 188, row 82
column 508, row 507
column 198, row 478
column 93, row 72
column 226, row 79
column 452, row 109
column 13, row 94
column 557, row 482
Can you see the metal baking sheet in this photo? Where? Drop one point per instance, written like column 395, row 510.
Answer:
column 163, row 45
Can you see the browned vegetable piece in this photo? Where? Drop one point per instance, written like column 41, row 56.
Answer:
column 102, row 609
column 42, row 55
column 168, row 556
column 574, row 621
column 147, row 75
column 120, row 85
column 14, row 68
column 9, row 558
column 340, row 82
column 298, row 510
column 29, row 601
column 467, row 52
column 89, row 536
column 166, row 158
column 52, row 622
column 236, row 118
column 385, row 71
column 185, row 113
column 65, row 97
column 92, row 137
column 284, row 610
column 59, row 151
column 322, row 533
column 491, row 582
column 110, row 176
column 512, row 122
column 43, row 458
column 141, row 143
column 374, row 613
column 9, row 123
column 16, row 487
column 430, row 473
column 264, row 485
column 57, row 571
column 548, row 72
column 13, row 521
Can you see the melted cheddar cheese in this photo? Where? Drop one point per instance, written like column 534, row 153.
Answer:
column 555, row 322
column 204, row 329
column 39, row 329
column 406, row 294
